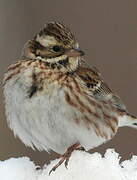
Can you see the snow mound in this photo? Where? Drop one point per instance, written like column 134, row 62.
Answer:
column 82, row 166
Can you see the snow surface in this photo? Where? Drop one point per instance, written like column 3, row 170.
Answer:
column 82, row 166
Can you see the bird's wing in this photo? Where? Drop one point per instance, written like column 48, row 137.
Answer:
column 97, row 88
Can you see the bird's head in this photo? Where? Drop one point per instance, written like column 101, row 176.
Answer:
column 54, row 44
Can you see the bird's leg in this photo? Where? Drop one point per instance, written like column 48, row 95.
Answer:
column 65, row 157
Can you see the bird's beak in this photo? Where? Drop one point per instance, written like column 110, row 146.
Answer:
column 74, row 53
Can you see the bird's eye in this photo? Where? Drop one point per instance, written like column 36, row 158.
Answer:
column 56, row 48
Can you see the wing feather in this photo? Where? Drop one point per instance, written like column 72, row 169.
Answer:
column 97, row 88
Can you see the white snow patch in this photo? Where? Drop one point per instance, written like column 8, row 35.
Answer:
column 18, row 169
column 82, row 166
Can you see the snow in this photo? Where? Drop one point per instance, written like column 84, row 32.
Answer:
column 82, row 166
column 17, row 168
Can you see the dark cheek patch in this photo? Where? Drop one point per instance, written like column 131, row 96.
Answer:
column 42, row 53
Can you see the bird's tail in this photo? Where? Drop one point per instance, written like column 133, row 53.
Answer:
column 128, row 120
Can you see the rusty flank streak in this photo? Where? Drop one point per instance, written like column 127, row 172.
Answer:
column 76, row 86
column 87, row 122
column 110, row 124
column 82, row 106
column 86, row 108
column 91, row 101
column 99, row 132
column 11, row 75
column 96, row 128
column 91, row 122
column 72, row 103
column 80, row 103
column 12, row 67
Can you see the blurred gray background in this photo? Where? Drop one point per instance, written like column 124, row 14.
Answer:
column 106, row 31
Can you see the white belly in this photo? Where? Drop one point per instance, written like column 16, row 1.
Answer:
column 46, row 121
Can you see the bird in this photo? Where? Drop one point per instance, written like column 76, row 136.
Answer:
column 55, row 101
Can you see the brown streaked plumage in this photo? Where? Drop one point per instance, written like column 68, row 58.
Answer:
column 55, row 101
column 59, row 31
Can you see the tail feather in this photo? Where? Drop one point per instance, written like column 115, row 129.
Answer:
column 128, row 120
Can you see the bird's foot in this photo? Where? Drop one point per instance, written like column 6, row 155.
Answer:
column 66, row 156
